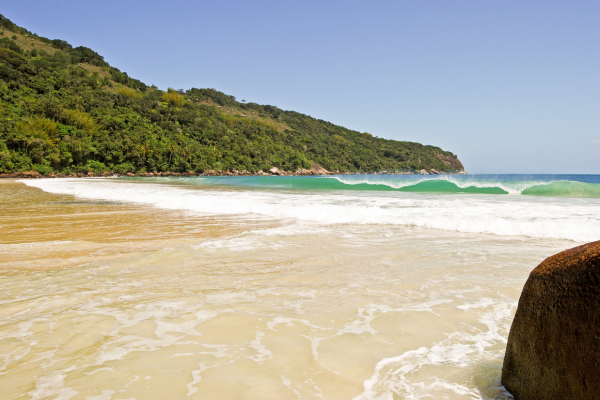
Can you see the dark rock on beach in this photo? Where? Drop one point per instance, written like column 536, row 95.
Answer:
column 553, row 349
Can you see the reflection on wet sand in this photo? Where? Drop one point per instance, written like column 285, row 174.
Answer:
column 52, row 231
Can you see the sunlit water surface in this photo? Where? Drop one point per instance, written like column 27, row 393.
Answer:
column 104, row 297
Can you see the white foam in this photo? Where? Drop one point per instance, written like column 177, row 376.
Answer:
column 196, row 378
column 263, row 353
column 52, row 385
column 399, row 375
column 509, row 187
column 288, row 384
column 572, row 219
column 118, row 345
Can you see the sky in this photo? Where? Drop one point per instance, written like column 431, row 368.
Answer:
column 508, row 86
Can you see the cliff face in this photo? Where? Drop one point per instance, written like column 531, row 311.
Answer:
column 553, row 349
column 65, row 109
column 452, row 162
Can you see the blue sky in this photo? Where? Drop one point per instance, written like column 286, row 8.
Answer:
column 509, row 86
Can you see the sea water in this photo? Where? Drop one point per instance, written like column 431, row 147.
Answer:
column 341, row 287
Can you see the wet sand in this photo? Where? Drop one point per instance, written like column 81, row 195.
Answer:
column 123, row 301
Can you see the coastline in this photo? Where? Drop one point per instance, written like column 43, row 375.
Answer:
column 272, row 172
column 137, row 284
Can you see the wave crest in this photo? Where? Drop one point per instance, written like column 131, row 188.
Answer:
column 453, row 185
column 501, row 215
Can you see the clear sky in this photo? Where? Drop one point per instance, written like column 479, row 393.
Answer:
column 509, row 86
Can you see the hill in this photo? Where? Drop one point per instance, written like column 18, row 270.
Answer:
column 65, row 109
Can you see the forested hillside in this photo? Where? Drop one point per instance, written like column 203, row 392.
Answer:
column 64, row 109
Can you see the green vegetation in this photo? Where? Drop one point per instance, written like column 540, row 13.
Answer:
column 64, row 109
column 173, row 98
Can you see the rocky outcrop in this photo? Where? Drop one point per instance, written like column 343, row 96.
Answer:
column 316, row 169
column 452, row 163
column 553, row 349
column 277, row 171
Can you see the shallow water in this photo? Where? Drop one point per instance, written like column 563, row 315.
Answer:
column 153, row 289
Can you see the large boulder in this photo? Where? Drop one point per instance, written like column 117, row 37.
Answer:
column 277, row 171
column 302, row 171
column 553, row 349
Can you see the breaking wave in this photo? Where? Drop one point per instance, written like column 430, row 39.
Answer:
column 576, row 219
column 538, row 185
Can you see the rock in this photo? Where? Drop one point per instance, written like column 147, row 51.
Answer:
column 423, row 172
column 106, row 173
column 30, row 174
column 451, row 162
column 553, row 349
column 316, row 169
column 277, row 171
column 130, row 174
column 302, row 171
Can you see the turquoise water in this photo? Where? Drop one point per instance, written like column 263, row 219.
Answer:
column 577, row 186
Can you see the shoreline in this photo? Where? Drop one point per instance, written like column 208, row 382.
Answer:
column 272, row 172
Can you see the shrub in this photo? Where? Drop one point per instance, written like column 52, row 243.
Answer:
column 96, row 167
column 61, row 44
column 11, row 57
column 79, row 119
column 9, row 44
column 42, row 130
column 42, row 169
column 132, row 94
column 124, row 168
column 173, row 98
column 85, row 55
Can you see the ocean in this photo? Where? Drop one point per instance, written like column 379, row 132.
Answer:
column 326, row 287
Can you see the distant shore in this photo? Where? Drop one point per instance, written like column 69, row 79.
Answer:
column 272, row 172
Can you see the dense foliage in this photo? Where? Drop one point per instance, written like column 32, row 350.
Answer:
column 65, row 109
